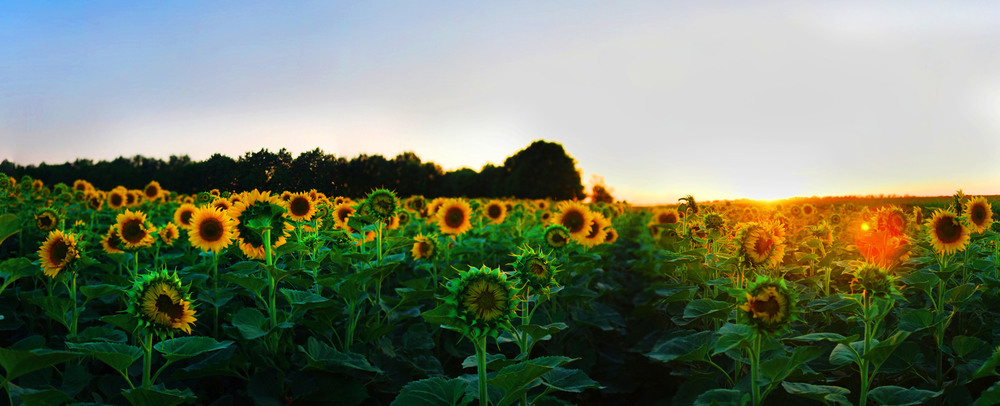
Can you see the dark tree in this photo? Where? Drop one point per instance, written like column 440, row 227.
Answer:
column 543, row 170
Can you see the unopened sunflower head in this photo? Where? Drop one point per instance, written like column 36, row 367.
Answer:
column 382, row 204
column 480, row 301
column 160, row 304
column 876, row 280
column 557, row 236
column 770, row 305
column 534, row 268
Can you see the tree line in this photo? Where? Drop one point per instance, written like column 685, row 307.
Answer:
column 541, row 170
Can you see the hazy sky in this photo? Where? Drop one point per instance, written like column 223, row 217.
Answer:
column 719, row 99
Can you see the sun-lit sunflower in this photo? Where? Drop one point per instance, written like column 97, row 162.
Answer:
column 666, row 216
column 133, row 229
column 431, row 209
column 453, row 216
column 341, row 213
column 264, row 207
column 300, row 207
column 770, row 304
column 918, row 216
column 425, row 247
column 481, row 300
column 892, row 220
column 979, row 213
column 111, row 243
column 116, row 198
column 576, row 217
column 496, row 211
column 761, row 245
column 808, row 209
column 534, row 269
column 542, row 204
column 221, row 204
column 57, row 252
column 182, row 215
column 211, row 229
column 161, row 304
column 382, row 204
column 597, row 234
column 795, row 210
column 948, row 235
column 557, row 236
column 285, row 195
column 168, row 234
column 152, row 191
column 47, row 219
column 235, row 198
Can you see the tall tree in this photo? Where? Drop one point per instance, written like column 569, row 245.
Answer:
column 542, row 170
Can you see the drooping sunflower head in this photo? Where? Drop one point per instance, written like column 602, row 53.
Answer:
column 948, row 235
column 46, row 219
column 979, row 213
column 161, row 304
column 182, row 215
column 495, row 211
column 556, row 236
column 425, row 247
column 382, row 204
column 576, row 217
column 168, row 234
column 133, row 230
column 534, row 269
column 761, row 245
column 770, row 305
column 481, row 300
column 875, row 280
column 597, row 233
column 256, row 213
column 453, row 216
column 300, row 207
column 57, row 252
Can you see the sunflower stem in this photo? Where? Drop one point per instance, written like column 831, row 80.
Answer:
column 76, row 308
column 215, row 292
column 484, row 396
column 147, row 362
column 754, row 369
column 525, row 319
column 863, row 365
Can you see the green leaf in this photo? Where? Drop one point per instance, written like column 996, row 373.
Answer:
column 515, row 379
column 899, row 396
column 822, row 393
column 816, row 337
column 540, row 333
column 722, row 397
column 440, row 316
column 96, row 291
column 881, row 351
column 253, row 284
column 41, row 396
column 706, row 307
column 965, row 345
column 17, row 268
column 55, row 307
column 690, row 346
column 989, row 367
column 301, row 300
column 159, row 396
column 569, row 380
column 322, row 356
column 185, row 347
column 842, row 354
column 777, row 368
column 731, row 336
column 916, row 320
column 960, row 294
column 251, row 323
column 677, row 293
column 117, row 355
column 435, row 391
column 17, row 363
column 9, row 225
column 990, row 396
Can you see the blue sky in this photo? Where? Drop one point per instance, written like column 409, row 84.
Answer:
column 718, row 99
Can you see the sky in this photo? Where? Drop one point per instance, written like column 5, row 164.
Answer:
column 718, row 99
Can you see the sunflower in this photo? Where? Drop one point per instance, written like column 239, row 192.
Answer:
column 596, row 234
column 341, row 213
column 496, row 211
column 259, row 207
column 79, row 185
column 300, row 207
column 948, row 235
column 57, row 252
column 161, row 304
column 221, row 204
column 875, row 280
column 980, row 214
column 37, row 185
column 117, row 198
column 46, row 219
column 152, row 191
column 415, row 203
column 542, row 204
column 425, row 247
column 182, row 215
column 892, row 220
column 168, row 234
column 557, row 236
column 382, row 204
column 761, row 245
column 211, row 229
column 402, row 218
column 133, row 230
column 431, row 209
column 576, row 217
column 534, row 269
column 808, row 210
column 453, row 216
column 611, row 237
column 132, row 198
column 795, row 210
column 666, row 216
column 714, row 221
column 286, row 195
column 481, row 300
column 770, row 304
column 111, row 243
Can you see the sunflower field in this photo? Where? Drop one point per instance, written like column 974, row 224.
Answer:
column 150, row 297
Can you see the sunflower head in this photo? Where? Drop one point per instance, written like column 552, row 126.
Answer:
column 133, row 230
column 892, row 220
column 182, row 215
column 534, row 269
column 161, row 304
column 714, row 221
column 453, row 216
column 611, row 236
column 979, row 214
column 254, row 214
column 111, row 243
column 875, row 280
column 152, row 191
column 46, row 219
column 117, row 198
column 300, row 206
column 761, row 244
column 597, row 232
column 480, row 301
column 557, row 236
column 425, row 247
column 168, row 234
column 57, row 252
column 770, row 305
column 495, row 211
column 947, row 234
column 403, row 218
column 576, row 217
column 382, row 204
